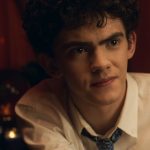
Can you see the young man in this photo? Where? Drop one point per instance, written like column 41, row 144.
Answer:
column 90, row 102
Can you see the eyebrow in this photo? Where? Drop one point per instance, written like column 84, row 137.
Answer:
column 114, row 35
column 75, row 43
column 103, row 41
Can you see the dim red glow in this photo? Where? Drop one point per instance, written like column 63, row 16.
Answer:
column 2, row 40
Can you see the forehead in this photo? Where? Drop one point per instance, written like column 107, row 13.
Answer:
column 89, row 32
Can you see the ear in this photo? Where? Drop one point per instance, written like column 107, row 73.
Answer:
column 131, row 44
column 50, row 65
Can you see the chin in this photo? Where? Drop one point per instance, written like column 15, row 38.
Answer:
column 105, row 99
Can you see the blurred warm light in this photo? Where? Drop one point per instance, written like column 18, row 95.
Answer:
column 5, row 109
column 11, row 134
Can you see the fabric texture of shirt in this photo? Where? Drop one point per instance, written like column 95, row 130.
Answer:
column 51, row 121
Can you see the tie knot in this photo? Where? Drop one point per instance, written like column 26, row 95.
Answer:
column 103, row 144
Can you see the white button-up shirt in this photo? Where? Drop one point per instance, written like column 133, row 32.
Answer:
column 51, row 121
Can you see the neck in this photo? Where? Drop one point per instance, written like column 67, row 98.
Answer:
column 101, row 117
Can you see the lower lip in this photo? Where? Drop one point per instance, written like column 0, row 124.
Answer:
column 103, row 84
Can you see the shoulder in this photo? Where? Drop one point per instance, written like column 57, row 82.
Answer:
column 143, row 84
column 44, row 120
column 43, row 102
column 142, row 79
column 47, row 91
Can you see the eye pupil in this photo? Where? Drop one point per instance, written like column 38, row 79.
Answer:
column 114, row 42
column 82, row 50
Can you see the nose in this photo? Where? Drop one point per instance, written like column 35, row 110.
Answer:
column 99, row 61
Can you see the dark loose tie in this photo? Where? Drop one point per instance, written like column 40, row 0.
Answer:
column 103, row 144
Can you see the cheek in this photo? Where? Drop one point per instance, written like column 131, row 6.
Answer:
column 74, row 68
column 73, row 75
column 76, row 75
column 121, row 60
column 74, row 81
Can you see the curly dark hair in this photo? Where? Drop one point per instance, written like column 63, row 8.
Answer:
column 44, row 19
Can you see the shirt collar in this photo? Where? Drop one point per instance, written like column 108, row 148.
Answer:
column 78, row 121
column 127, row 120
column 129, row 114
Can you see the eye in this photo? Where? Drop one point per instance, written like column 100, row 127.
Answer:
column 113, row 43
column 78, row 50
column 81, row 50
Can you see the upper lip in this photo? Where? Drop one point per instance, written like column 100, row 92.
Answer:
column 102, row 80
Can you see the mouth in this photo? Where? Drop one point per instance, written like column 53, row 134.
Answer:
column 103, row 82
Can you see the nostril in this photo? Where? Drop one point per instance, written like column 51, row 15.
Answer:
column 108, row 67
column 96, row 69
column 99, row 69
